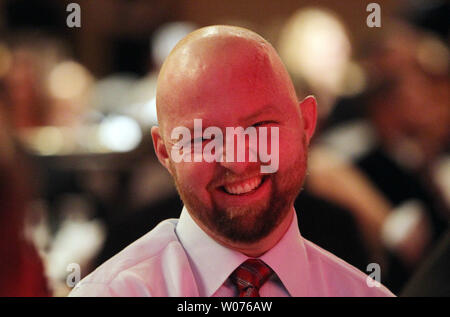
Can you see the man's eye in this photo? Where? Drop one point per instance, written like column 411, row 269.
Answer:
column 262, row 123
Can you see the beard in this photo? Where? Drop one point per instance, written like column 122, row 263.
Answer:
column 249, row 224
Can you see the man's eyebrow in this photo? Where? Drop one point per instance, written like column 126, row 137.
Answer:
column 267, row 109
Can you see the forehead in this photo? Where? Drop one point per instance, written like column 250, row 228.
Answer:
column 231, row 104
column 224, row 82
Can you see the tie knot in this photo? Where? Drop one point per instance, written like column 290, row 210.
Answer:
column 250, row 276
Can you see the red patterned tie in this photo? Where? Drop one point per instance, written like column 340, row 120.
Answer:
column 250, row 276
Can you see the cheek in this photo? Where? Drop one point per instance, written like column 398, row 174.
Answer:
column 292, row 150
column 194, row 175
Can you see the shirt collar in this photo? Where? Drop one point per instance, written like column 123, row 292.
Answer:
column 212, row 263
column 288, row 260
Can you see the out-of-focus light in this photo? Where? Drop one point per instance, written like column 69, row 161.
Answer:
column 441, row 175
column 48, row 141
column 112, row 94
column 433, row 55
column 5, row 60
column 68, row 80
column 149, row 112
column 77, row 241
column 314, row 46
column 166, row 37
column 402, row 222
column 120, row 133
column 354, row 80
column 142, row 106
column 144, row 113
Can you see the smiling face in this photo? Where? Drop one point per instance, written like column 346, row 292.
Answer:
column 230, row 80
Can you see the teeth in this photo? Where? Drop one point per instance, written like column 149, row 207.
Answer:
column 243, row 187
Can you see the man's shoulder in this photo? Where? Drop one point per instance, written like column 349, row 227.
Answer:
column 338, row 277
column 137, row 263
column 149, row 246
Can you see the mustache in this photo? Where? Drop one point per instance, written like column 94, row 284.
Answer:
column 226, row 176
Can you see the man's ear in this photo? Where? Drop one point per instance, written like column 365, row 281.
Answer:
column 308, row 107
column 160, row 148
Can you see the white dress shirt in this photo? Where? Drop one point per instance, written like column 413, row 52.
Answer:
column 177, row 258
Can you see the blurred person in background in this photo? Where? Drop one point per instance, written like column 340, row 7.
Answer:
column 48, row 106
column 46, row 87
column 395, row 235
column 21, row 268
column 397, row 157
column 409, row 109
column 25, row 87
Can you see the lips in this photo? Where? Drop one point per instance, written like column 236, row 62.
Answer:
column 243, row 187
column 242, row 191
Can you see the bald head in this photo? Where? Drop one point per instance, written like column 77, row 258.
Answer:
column 228, row 78
column 215, row 61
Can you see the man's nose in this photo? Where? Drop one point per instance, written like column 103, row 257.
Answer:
column 242, row 158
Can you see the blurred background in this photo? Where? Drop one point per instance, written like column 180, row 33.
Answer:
column 79, row 180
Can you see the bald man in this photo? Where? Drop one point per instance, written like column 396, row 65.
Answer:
column 237, row 234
